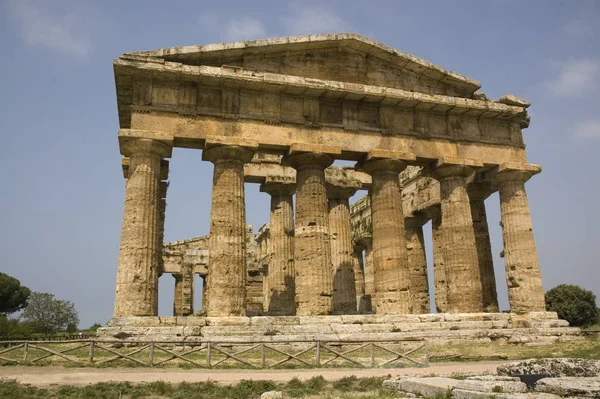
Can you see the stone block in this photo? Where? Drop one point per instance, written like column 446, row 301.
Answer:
column 431, row 317
column 272, row 395
column 559, row 367
column 465, row 394
column 191, row 321
column 429, row 387
column 131, row 321
column 228, row 321
column 493, row 386
column 587, row 387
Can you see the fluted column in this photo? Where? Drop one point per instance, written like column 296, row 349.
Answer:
column 344, row 288
column 280, row 286
column 359, row 279
column 525, row 291
column 183, row 295
column 160, row 235
column 137, row 273
column 477, row 194
column 439, row 271
column 390, row 260
column 227, row 244
column 369, row 273
column 417, row 263
column 460, row 251
column 312, row 251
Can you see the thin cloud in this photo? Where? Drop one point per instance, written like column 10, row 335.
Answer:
column 576, row 77
column 578, row 29
column 42, row 25
column 588, row 130
column 312, row 20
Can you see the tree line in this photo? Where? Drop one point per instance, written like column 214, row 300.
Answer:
column 41, row 313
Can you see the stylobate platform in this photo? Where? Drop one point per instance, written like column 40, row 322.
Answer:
column 532, row 328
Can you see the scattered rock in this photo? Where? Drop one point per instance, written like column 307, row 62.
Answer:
column 272, row 395
column 464, row 394
column 510, row 99
column 428, row 387
column 493, row 386
column 570, row 386
column 559, row 367
column 492, row 378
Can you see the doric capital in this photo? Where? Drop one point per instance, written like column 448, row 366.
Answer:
column 219, row 153
column 417, row 219
column 480, row 190
column 451, row 167
column 512, row 171
column 385, row 161
column 278, row 186
column 132, row 147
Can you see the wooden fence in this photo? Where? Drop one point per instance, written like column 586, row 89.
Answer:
column 210, row 354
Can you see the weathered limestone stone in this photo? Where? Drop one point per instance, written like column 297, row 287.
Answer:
column 280, row 285
column 417, row 263
column 137, row 273
column 493, row 386
column 160, row 234
column 439, row 271
column 477, row 194
column 227, row 259
column 359, row 279
column 465, row 394
column 428, row 387
column 312, row 250
column 586, row 387
column 390, row 261
column 183, row 296
column 340, row 231
column 525, row 291
column 272, row 395
column 554, row 367
column 460, row 252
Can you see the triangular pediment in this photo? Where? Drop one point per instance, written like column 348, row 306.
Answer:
column 343, row 57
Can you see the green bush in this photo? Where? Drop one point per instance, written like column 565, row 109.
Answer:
column 573, row 304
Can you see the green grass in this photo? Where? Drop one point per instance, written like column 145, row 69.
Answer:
column 316, row 387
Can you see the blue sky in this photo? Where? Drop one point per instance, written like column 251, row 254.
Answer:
column 61, row 200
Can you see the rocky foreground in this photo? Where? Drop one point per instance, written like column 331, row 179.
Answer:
column 530, row 379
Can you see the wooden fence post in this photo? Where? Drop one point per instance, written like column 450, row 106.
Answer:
column 208, row 354
column 151, row 354
column 262, row 355
column 318, row 354
column 372, row 354
column 91, row 351
column 25, row 350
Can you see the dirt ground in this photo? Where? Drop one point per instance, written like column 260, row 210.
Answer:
column 49, row 375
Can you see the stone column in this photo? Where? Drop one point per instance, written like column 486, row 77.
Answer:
column 183, row 296
column 312, row 251
column 227, row 244
column 160, row 235
column 390, row 260
column 439, row 271
column 525, row 291
column 344, row 280
column 460, row 252
column 137, row 273
column 369, row 271
column 280, row 286
column 359, row 279
column 477, row 194
column 417, row 263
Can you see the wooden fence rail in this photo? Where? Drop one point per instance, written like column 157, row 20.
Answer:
column 213, row 354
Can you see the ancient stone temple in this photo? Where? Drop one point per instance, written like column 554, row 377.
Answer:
column 426, row 145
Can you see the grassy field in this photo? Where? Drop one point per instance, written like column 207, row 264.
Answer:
column 317, row 387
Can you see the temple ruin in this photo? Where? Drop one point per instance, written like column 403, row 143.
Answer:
column 426, row 144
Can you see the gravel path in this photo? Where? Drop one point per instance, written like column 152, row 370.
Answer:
column 49, row 375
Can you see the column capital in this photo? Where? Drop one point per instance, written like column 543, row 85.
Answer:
column 512, row 171
column 417, row 219
column 278, row 186
column 220, row 153
column 140, row 146
column 302, row 160
column 375, row 166
column 480, row 190
column 450, row 167
column 164, row 168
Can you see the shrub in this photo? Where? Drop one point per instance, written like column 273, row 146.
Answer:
column 573, row 304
